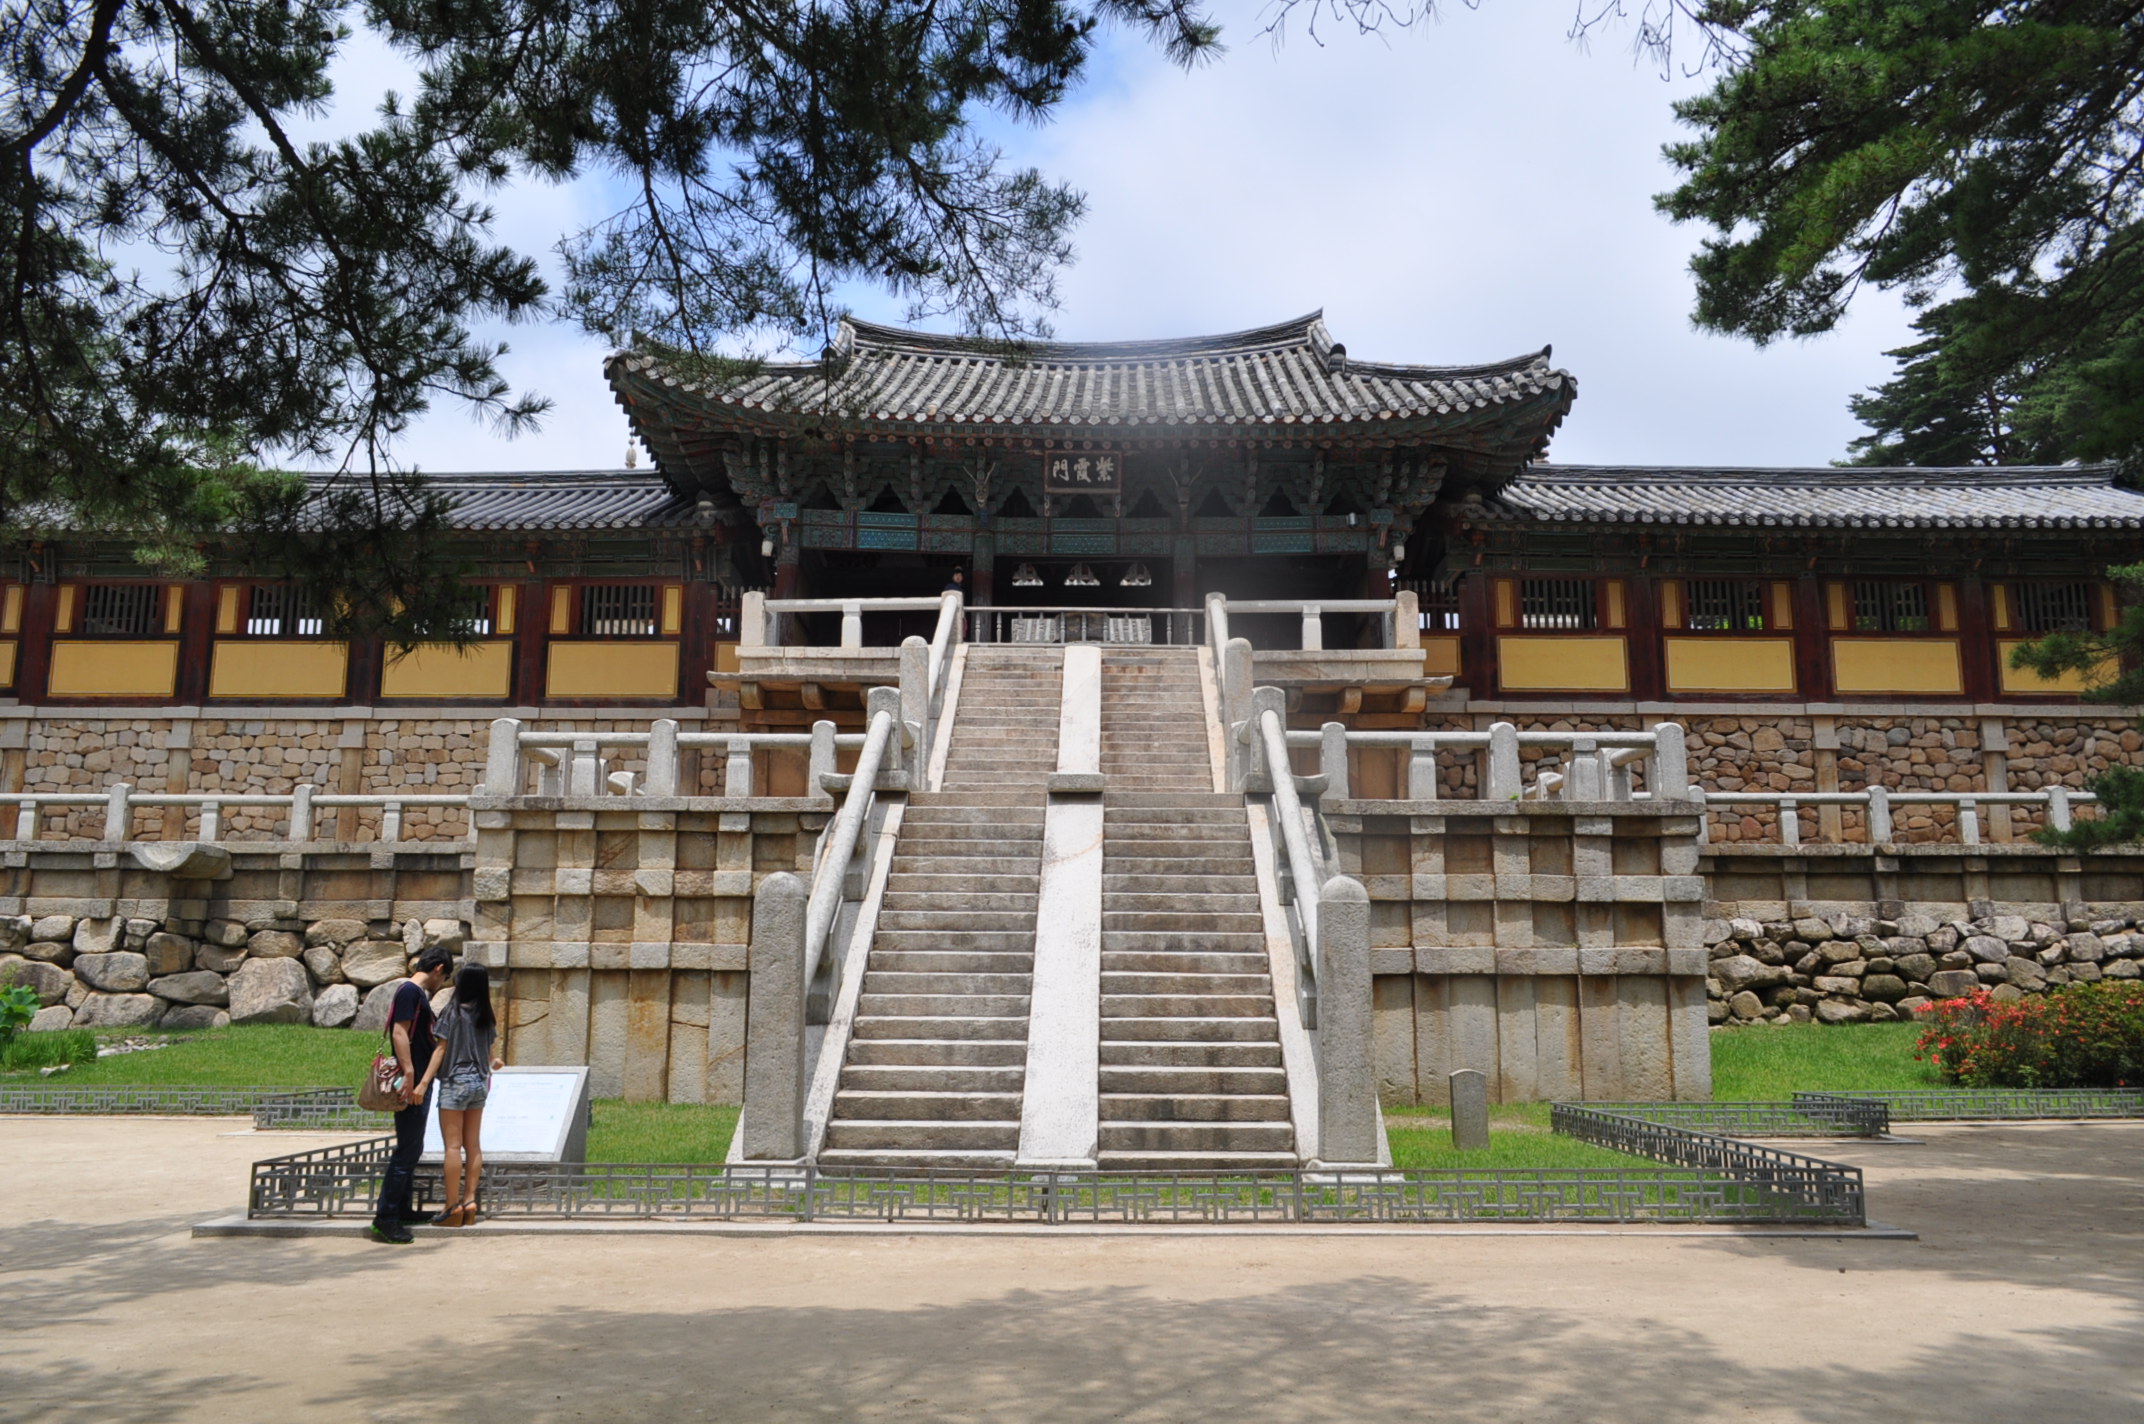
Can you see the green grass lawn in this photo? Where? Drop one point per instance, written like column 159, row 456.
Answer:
column 262, row 1055
column 619, row 1131
column 1768, row 1062
column 1519, row 1138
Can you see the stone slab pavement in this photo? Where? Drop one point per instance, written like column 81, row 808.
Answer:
column 2020, row 1301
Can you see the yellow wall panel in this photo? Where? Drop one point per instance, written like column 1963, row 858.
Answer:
column 612, row 670
column 274, row 667
column 7, row 664
column 115, row 668
column 1782, row 606
column 1730, row 664
column 726, row 657
column 442, row 670
column 1897, row 665
column 2025, row 681
column 1562, row 665
column 1440, row 657
column 11, row 610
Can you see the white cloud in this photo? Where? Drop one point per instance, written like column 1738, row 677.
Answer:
column 1468, row 191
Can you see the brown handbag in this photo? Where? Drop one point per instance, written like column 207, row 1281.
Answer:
column 382, row 1089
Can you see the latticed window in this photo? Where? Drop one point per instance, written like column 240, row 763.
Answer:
column 280, row 610
column 618, row 610
column 1890, row 608
column 473, row 620
column 1723, row 604
column 1556, row 603
column 2054, row 607
column 1437, row 602
column 122, row 610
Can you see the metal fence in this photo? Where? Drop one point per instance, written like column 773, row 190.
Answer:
column 326, row 1109
column 1786, row 1185
column 1991, row 1104
column 1809, row 1115
column 343, row 1181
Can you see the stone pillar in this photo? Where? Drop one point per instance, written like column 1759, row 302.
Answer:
column 1347, row 1082
column 772, row 1123
column 1470, row 1110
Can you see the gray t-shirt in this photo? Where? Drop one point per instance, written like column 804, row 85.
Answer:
column 468, row 1046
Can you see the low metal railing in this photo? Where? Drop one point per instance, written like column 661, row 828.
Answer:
column 327, row 1108
column 1797, row 1187
column 1809, row 1115
column 1990, row 1104
column 342, row 1182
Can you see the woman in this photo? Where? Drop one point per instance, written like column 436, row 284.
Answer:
column 463, row 1062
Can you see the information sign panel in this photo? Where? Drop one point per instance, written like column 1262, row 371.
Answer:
column 532, row 1115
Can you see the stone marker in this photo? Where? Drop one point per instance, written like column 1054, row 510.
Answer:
column 1470, row 1110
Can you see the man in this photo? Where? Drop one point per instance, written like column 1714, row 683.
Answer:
column 409, row 1025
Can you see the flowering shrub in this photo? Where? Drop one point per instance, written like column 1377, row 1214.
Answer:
column 2080, row 1036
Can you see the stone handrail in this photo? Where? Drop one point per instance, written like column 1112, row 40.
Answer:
column 759, row 626
column 120, row 801
column 1601, row 761
column 2059, row 803
column 1401, row 620
column 573, row 763
column 1288, row 809
column 881, row 744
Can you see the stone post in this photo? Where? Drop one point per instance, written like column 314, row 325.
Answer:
column 1504, row 779
column 1332, row 759
column 1236, row 675
column 752, row 620
column 916, row 699
column 822, row 761
column 1879, row 815
column 772, row 1123
column 660, row 778
column 737, row 768
column 852, row 625
column 1422, row 769
column 1258, row 776
column 301, row 811
column 2058, row 808
column 118, row 814
column 585, row 776
column 1582, row 778
column 502, row 758
column 1470, row 1110
column 1670, row 775
column 1406, row 619
column 1347, row 1083
column 1313, row 628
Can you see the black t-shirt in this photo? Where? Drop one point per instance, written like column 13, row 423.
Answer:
column 413, row 1006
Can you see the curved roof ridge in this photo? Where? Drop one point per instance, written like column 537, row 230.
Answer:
column 1896, row 476
column 1297, row 331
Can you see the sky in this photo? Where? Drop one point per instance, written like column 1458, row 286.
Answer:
column 1471, row 189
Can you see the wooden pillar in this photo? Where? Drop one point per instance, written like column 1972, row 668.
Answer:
column 1641, row 611
column 1812, row 640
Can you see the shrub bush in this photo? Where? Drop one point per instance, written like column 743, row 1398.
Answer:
column 2079, row 1036
column 18, row 1005
column 27, row 1052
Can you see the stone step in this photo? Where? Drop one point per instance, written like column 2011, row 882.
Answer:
column 1143, row 1007
column 1232, row 867
column 1128, row 816
column 958, row 920
column 954, row 961
column 1195, row 1107
column 1020, row 941
column 1143, row 982
column 1200, row 1078
column 879, row 1162
column 1195, row 1137
column 1218, row 1163
column 957, row 882
column 902, row 981
column 1182, row 942
column 959, row 902
column 1151, row 920
column 977, row 1006
column 958, row 1026
column 1185, row 1030
column 904, row 1135
column 864, row 1105
column 1181, row 962
column 1135, row 902
column 1201, row 1054
column 951, row 1078
column 1180, row 800
column 1115, row 882
column 947, row 1053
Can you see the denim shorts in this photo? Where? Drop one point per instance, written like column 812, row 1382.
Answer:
column 462, row 1094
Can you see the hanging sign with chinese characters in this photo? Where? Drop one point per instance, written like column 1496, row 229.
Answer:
column 1082, row 472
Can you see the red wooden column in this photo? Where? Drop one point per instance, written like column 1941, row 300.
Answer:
column 1641, row 614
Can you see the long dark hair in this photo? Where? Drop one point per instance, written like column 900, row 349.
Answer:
column 472, row 995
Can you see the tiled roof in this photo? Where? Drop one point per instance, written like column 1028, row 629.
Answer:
column 562, row 499
column 1270, row 379
column 2018, row 496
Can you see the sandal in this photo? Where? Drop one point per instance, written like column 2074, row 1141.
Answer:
column 455, row 1215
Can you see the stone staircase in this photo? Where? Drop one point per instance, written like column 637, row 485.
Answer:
column 1191, row 1073
column 938, row 1054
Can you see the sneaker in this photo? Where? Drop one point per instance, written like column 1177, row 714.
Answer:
column 393, row 1231
column 416, row 1218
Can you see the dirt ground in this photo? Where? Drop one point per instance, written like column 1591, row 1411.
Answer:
column 2020, row 1302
